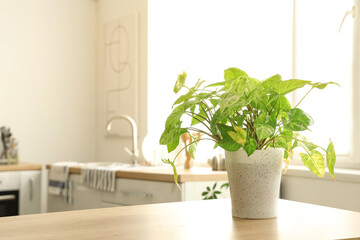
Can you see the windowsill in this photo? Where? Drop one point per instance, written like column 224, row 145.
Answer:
column 341, row 174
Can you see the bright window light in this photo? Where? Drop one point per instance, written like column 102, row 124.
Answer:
column 204, row 38
column 324, row 55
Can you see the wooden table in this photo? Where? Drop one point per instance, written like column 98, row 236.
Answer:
column 184, row 220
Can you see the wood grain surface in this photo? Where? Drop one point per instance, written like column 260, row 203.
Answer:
column 209, row 219
column 20, row 167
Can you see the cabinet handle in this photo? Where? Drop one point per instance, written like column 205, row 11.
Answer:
column 31, row 186
column 69, row 192
column 7, row 197
column 143, row 194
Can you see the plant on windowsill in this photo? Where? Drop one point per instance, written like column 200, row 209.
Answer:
column 257, row 127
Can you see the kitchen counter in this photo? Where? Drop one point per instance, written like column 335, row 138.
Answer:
column 209, row 219
column 20, row 167
column 165, row 174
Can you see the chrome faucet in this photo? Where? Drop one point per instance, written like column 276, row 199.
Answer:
column 135, row 153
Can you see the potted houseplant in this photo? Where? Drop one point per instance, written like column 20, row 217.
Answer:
column 257, row 127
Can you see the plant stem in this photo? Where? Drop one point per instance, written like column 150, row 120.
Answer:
column 198, row 120
column 194, row 91
column 304, row 97
column 173, row 161
column 304, row 142
column 197, row 115
column 198, row 130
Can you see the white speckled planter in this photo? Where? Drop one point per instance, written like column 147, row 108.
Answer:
column 254, row 182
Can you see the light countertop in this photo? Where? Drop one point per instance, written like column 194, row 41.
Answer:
column 20, row 167
column 165, row 174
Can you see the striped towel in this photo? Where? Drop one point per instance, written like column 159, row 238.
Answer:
column 101, row 178
column 58, row 178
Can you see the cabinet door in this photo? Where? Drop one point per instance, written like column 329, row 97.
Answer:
column 82, row 196
column 193, row 190
column 30, row 184
column 135, row 192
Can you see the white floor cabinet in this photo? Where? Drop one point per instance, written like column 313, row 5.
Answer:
column 28, row 184
column 29, row 193
column 128, row 192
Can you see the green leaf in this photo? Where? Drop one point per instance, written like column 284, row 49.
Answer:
column 285, row 139
column 180, row 82
column 214, row 186
column 227, row 142
column 217, row 192
column 214, row 102
column 229, row 101
column 167, row 161
column 192, row 149
column 250, row 146
column 175, row 174
column 208, row 188
column 232, row 73
column 174, row 117
column 236, row 86
column 283, row 104
column 331, row 158
column 225, row 185
column 272, row 84
column 291, row 85
column 263, row 131
column 169, row 135
column 297, row 120
column 237, row 137
column 216, row 84
column 204, row 193
column 173, row 145
column 304, row 142
column 320, row 85
column 184, row 97
column 314, row 161
column 198, row 117
column 251, row 85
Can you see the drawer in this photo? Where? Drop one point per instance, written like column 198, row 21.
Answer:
column 135, row 192
column 9, row 181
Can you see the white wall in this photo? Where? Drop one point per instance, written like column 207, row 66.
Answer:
column 299, row 184
column 112, row 149
column 48, row 78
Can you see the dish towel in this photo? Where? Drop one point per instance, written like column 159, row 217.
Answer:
column 101, row 178
column 58, row 178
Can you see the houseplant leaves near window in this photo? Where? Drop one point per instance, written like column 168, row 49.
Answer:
column 242, row 112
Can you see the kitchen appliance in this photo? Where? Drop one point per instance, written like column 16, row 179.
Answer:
column 9, row 203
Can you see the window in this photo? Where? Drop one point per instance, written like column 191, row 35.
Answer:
column 260, row 37
column 322, row 54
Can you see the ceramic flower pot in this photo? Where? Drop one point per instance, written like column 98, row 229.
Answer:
column 254, row 182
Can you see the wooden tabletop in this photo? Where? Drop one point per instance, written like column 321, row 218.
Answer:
column 20, row 167
column 165, row 174
column 209, row 219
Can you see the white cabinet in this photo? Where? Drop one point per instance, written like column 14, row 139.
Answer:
column 193, row 190
column 128, row 192
column 9, row 181
column 29, row 192
column 83, row 197
column 28, row 183
column 136, row 192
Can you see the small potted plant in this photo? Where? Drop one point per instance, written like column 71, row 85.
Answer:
column 257, row 127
